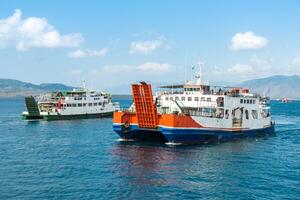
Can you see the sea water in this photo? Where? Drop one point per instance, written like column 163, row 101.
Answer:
column 83, row 159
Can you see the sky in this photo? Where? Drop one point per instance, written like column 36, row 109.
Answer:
column 111, row 44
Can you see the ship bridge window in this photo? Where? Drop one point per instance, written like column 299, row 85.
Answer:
column 196, row 99
column 182, row 98
column 241, row 101
column 189, row 98
column 202, row 98
column 247, row 114
column 95, row 104
column 80, row 105
column 254, row 114
column 74, row 105
column 90, row 104
column 176, row 98
column 68, row 105
column 167, row 98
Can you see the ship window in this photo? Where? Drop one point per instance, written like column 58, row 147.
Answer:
column 189, row 98
column 245, row 101
column 167, row 98
column 80, row 105
column 241, row 101
column 226, row 113
column 90, row 104
column 254, row 114
column 208, row 99
column 202, row 98
column 74, row 105
column 176, row 98
column 182, row 98
column 95, row 104
column 171, row 98
column 253, row 101
column 247, row 114
column 248, row 101
column 196, row 98
column 80, row 98
column 84, row 104
column 99, row 103
column 198, row 89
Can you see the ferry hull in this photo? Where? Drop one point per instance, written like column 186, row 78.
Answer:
column 188, row 135
column 137, row 134
column 67, row 117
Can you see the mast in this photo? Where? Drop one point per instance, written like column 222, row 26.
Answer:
column 198, row 76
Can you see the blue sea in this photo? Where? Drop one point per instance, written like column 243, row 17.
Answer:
column 83, row 159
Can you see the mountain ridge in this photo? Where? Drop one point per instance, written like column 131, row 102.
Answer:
column 276, row 87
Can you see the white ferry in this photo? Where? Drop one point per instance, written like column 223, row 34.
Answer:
column 76, row 104
column 193, row 112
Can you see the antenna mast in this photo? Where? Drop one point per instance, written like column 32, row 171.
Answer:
column 198, row 76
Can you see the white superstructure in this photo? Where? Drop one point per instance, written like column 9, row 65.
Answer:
column 215, row 106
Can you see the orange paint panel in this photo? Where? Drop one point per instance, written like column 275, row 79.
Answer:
column 172, row 120
column 169, row 120
column 123, row 117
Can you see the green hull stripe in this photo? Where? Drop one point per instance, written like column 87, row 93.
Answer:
column 67, row 117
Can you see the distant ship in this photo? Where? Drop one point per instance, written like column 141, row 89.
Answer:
column 194, row 112
column 75, row 104
column 285, row 100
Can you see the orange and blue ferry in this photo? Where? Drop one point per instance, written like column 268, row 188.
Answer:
column 194, row 112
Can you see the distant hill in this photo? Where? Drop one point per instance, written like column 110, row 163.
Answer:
column 275, row 86
column 14, row 88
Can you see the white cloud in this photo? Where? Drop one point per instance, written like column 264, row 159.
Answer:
column 147, row 67
column 147, row 46
column 154, row 67
column 255, row 61
column 247, row 41
column 296, row 62
column 88, row 53
column 240, row 69
column 33, row 32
